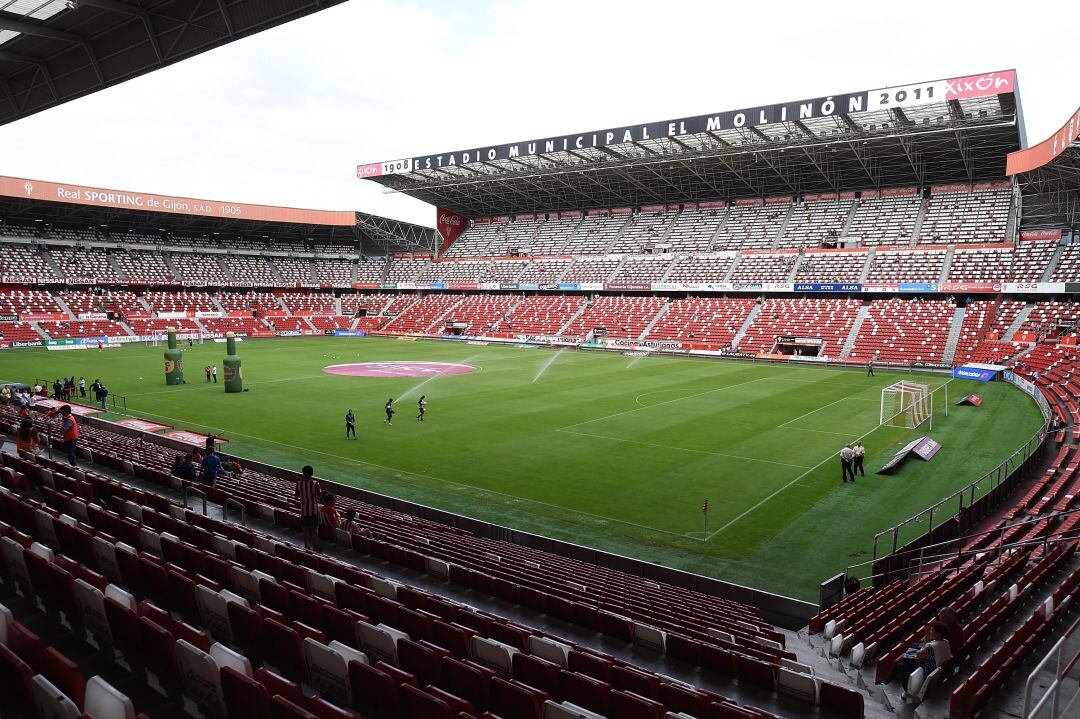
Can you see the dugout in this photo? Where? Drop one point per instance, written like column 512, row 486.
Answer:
column 798, row 346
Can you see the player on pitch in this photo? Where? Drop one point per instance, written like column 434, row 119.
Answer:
column 421, row 407
column 350, row 424
column 389, row 412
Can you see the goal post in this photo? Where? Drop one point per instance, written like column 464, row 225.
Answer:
column 907, row 404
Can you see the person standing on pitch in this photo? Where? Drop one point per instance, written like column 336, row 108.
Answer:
column 207, row 370
column 389, row 412
column 350, row 425
column 213, row 371
column 859, row 452
column 82, row 387
column 421, row 406
column 870, row 367
column 847, row 455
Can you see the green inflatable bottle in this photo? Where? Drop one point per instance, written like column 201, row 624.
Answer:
column 234, row 376
column 174, row 361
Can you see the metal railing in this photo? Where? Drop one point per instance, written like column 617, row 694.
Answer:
column 230, row 502
column 190, row 491
column 1052, row 697
column 940, row 552
column 956, row 502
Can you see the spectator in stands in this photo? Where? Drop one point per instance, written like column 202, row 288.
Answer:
column 82, row 387
column 951, row 620
column 211, row 468
column 929, row 654
column 328, row 513
column 184, row 468
column 26, row 439
column 103, row 395
column 308, row 491
column 69, row 429
column 351, row 526
column 5, row 395
column 58, row 389
column 233, row 468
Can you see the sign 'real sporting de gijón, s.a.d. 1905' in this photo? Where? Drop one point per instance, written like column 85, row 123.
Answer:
column 921, row 93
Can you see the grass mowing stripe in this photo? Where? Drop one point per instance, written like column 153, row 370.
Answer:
column 683, row 449
column 223, row 432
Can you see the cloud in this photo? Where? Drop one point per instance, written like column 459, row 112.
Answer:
column 284, row 116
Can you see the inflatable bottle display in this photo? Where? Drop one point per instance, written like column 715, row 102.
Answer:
column 234, row 377
column 174, row 361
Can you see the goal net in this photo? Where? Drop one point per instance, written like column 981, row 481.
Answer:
column 906, row 404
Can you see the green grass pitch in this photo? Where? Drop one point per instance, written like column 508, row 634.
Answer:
column 606, row 450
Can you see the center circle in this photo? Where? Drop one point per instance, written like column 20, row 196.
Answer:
column 398, row 369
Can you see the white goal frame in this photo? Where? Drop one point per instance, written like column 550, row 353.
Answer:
column 907, row 404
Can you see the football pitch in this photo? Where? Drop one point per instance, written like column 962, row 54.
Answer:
column 606, row 450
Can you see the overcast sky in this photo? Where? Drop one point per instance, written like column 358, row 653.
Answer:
column 284, row 117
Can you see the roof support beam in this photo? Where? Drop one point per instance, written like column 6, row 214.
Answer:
column 143, row 15
column 7, row 22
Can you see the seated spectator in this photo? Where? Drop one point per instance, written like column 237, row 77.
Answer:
column 351, row 526
column 929, row 654
column 184, row 468
column 26, row 439
column 951, row 620
column 211, row 468
column 233, row 468
column 328, row 513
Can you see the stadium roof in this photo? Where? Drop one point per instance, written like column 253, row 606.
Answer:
column 936, row 132
column 25, row 201
column 52, row 51
column 1049, row 178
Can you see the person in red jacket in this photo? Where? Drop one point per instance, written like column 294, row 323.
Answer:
column 69, row 429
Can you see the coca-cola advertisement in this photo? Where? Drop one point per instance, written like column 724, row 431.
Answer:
column 450, row 225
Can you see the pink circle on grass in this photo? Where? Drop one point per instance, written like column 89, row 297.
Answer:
column 398, row 369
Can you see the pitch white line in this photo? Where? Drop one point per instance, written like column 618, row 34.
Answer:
column 832, row 456
column 819, row 431
column 681, row 449
column 650, row 406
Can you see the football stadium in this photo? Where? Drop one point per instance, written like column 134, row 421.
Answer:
column 767, row 412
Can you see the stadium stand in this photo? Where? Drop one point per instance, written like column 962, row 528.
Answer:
column 981, row 264
column 1031, row 260
column 1068, row 267
column 595, row 233
column 831, row 266
column 592, row 269
column 645, row 229
column 144, row 267
column 895, row 265
column 766, row 267
column 540, row 315
column 83, row 265
column 420, row 317
column 25, row 263
column 886, row 218
column 829, row 319
column 545, row 271
column 701, row 268
column 708, row 321
column 183, row 301
column 958, row 214
column 199, row 269
column 481, row 313
column 642, row 270
column 695, row 227
column 619, row 317
column 817, row 221
column 752, row 226
column 897, row 330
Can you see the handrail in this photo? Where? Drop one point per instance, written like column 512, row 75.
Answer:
column 1050, row 539
column 968, row 537
column 198, row 493
column 230, row 502
column 1053, row 690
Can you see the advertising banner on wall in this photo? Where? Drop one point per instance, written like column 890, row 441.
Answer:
column 127, row 200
